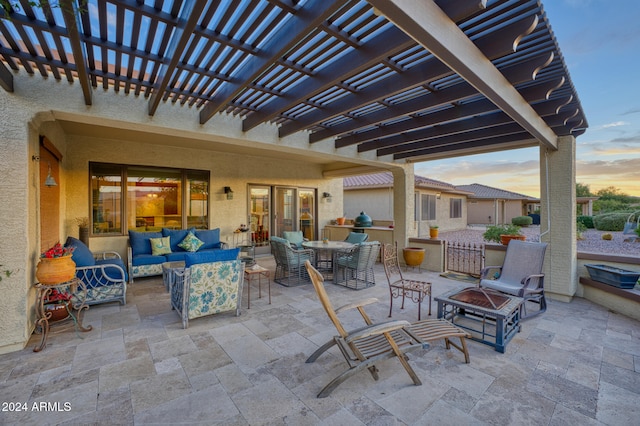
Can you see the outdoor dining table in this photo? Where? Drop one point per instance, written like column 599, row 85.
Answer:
column 325, row 254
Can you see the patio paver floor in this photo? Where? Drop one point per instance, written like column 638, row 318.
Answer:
column 578, row 363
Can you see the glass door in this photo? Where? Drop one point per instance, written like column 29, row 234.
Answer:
column 260, row 217
column 285, row 210
column 307, row 203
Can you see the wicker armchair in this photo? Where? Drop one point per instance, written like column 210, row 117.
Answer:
column 290, row 270
column 354, row 267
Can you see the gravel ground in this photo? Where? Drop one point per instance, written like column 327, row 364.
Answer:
column 592, row 242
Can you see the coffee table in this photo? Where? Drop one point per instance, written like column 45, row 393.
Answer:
column 168, row 272
column 486, row 324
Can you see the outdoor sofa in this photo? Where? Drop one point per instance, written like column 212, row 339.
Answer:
column 147, row 251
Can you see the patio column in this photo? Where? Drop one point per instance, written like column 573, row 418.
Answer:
column 558, row 218
column 403, row 204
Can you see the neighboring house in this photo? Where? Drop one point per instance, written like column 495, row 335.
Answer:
column 435, row 202
column 488, row 205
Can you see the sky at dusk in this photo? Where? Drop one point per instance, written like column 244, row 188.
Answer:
column 600, row 42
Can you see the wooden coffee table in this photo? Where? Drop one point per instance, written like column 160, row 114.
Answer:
column 473, row 312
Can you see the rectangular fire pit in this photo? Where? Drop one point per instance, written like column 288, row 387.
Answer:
column 611, row 275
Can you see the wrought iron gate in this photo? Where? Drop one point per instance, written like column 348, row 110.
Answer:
column 467, row 258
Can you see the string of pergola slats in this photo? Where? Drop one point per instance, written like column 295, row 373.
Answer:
column 407, row 80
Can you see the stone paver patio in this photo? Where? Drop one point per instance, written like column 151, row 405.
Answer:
column 576, row 364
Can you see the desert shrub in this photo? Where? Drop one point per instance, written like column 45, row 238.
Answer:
column 493, row 232
column 587, row 221
column 610, row 221
column 607, row 237
column 580, row 228
column 522, row 220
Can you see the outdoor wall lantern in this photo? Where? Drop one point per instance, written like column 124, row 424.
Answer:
column 438, row 195
column 229, row 192
column 49, row 181
column 326, row 197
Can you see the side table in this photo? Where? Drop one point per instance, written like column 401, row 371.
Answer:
column 168, row 272
column 76, row 313
column 250, row 273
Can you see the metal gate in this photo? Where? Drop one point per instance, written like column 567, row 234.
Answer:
column 466, row 258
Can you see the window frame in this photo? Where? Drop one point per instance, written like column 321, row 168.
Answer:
column 430, row 206
column 186, row 176
column 455, row 206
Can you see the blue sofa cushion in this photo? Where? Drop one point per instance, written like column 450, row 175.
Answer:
column 140, row 243
column 210, row 238
column 113, row 272
column 147, row 259
column 211, row 256
column 176, row 257
column 175, row 237
column 82, row 256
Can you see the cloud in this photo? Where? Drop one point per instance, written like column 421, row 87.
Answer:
column 615, row 124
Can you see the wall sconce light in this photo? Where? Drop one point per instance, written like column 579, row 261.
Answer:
column 438, row 195
column 326, row 197
column 49, row 181
column 229, row 192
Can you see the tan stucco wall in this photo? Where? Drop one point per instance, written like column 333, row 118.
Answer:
column 378, row 202
column 226, row 169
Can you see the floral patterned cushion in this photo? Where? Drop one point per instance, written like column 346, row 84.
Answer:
column 160, row 246
column 191, row 243
column 214, row 288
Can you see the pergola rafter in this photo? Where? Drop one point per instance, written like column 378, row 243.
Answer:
column 392, row 76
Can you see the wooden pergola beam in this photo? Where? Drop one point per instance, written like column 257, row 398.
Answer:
column 67, row 7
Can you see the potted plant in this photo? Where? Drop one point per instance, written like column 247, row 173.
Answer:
column 503, row 234
column 56, row 265
column 83, row 229
column 341, row 220
column 433, row 231
column 58, row 304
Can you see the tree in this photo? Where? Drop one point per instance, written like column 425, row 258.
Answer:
column 583, row 190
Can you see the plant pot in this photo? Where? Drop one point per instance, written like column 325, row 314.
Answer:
column 505, row 239
column 340, row 220
column 83, row 235
column 51, row 271
column 413, row 256
column 59, row 310
column 433, row 232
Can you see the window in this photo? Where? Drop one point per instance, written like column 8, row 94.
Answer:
column 455, row 208
column 428, row 207
column 152, row 199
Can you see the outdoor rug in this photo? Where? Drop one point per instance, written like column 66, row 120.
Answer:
column 460, row 277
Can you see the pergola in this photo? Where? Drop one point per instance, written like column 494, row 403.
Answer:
column 409, row 80
column 273, row 92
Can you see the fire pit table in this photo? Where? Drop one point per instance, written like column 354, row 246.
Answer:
column 490, row 317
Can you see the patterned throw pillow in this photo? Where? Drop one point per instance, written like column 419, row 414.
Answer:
column 191, row 243
column 160, row 246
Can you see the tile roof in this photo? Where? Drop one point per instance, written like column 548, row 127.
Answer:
column 385, row 180
column 484, row 191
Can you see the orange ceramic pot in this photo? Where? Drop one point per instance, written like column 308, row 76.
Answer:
column 505, row 239
column 413, row 256
column 340, row 220
column 55, row 270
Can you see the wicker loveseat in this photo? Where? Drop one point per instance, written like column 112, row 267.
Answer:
column 142, row 262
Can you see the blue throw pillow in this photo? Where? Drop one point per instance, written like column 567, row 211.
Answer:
column 211, row 256
column 139, row 241
column 82, row 256
column 210, row 238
